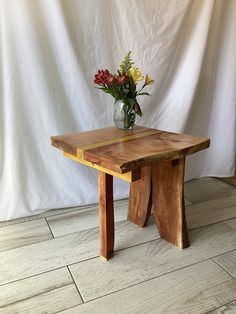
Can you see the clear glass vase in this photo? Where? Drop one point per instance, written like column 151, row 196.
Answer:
column 124, row 117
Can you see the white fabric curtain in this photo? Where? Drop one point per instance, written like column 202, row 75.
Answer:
column 50, row 51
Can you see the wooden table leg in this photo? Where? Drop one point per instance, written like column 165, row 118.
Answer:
column 106, row 214
column 140, row 200
column 168, row 201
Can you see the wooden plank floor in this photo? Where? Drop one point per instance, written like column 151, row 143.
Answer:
column 49, row 263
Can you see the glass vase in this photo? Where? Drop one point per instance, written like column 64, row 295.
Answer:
column 124, row 116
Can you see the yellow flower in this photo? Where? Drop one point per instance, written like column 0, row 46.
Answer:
column 148, row 80
column 136, row 74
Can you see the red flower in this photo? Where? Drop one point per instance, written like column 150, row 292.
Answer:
column 121, row 78
column 104, row 77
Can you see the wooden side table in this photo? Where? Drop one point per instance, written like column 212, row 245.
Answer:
column 153, row 161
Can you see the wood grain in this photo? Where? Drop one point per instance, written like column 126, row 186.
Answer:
column 232, row 222
column 80, row 150
column 24, row 234
column 45, row 293
column 140, row 199
column 48, row 255
column 71, row 142
column 212, row 211
column 75, row 221
column 228, row 262
column 114, row 152
column 196, row 289
column 168, row 201
column 144, row 146
column 229, row 308
column 126, row 156
column 149, row 260
column 127, row 234
column 174, row 290
column 206, row 189
column 130, row 176
column 106, row 214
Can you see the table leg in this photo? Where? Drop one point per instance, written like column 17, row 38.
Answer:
column 106, row 214
column 168, row 201
column 140, row 200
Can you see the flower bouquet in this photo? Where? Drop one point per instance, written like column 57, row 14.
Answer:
column 123, row 86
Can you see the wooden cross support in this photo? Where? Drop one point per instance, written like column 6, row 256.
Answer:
column 153, row 161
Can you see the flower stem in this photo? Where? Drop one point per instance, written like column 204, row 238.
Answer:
column 126, row 120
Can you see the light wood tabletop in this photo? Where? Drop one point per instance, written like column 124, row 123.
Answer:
column 153, row 161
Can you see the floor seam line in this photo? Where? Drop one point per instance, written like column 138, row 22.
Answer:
column 227, row 224
column 119, row 221
column 20, row 222
column 49, row 228
column 69, row 234
column 149, row 279
column 97, row 256
column 83, row 207
column 223, row 268
column 211, row 224
column 218, row 307
column 44, row 272
column 26, row 245
column 211, row 199
column 77, row 288
column 33, row 296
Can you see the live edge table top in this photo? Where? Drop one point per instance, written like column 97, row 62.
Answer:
column 122, row 151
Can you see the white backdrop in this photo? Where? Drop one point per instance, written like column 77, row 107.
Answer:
column 50, row 51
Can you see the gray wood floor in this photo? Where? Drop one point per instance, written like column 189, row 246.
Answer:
column 49, row 263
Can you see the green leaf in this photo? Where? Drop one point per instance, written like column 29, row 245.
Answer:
column 127, row 63
column 143, row 94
